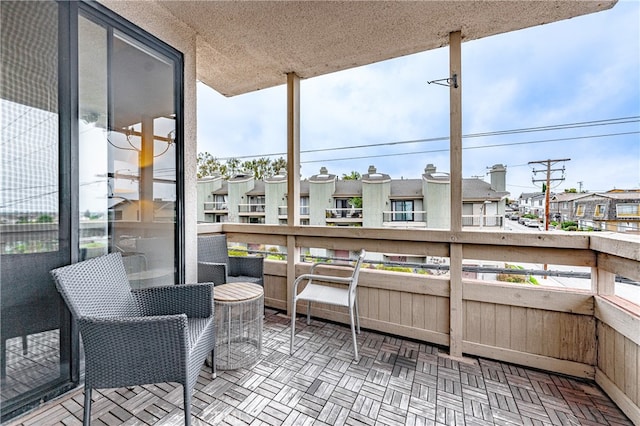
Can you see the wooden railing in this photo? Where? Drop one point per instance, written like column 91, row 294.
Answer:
column 589, row 334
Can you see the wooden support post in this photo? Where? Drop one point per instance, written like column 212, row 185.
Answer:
column 293, row 178
column 456, row 317
column 293, row 254
column 603, row 283
column 455, row 111
column 293, row 149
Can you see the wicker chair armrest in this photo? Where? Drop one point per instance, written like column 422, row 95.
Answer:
column 145, row 349
column 246, row 265
column 194, row 300
column 212, row 272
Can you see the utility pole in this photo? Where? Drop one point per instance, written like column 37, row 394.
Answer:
column 548, row 179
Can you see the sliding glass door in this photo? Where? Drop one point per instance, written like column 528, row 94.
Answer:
column 91, row 153
column 128, row 151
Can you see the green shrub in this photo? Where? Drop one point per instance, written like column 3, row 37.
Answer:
column 394, row 268
column 512, row 278
column 237, row 252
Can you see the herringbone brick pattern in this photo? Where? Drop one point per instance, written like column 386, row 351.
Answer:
column 396, row 382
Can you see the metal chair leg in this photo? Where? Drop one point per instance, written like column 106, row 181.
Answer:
column 353, row 334
column 293, row 327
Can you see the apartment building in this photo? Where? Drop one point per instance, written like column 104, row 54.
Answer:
column 561, row 206
column 375, row 200
column 615, row 210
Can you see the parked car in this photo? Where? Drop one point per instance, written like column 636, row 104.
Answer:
column 532, row 223
column 514, row 216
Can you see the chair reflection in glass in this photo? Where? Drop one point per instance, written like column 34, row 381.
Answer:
column 318, row 290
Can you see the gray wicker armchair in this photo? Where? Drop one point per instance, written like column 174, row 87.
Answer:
column 136, row 337
column 215, row 265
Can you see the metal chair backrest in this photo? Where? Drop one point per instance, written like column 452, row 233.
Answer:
column 356, row 272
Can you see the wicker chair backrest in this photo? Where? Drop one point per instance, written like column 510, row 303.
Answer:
column 213, row 249
column 97, row 287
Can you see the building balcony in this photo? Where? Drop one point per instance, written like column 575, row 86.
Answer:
column 283, row 210
column 216, row 207
column 427, row 338
column 404, row 219
column 483, row 221
column 251, row 209
column 590, row 332
column 343, row 216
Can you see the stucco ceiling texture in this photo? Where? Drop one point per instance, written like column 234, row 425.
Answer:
column 250, row 45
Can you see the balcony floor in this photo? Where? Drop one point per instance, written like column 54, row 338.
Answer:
column 396, row 382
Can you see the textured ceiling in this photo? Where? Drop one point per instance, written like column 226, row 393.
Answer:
column 250, row 45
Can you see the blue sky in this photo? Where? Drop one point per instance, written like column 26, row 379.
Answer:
column 582, row 70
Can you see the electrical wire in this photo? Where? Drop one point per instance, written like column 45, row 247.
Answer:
column 468, row 148
column 553, row 127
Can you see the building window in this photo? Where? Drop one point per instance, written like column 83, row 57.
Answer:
column 580, row 210
column 256, row 204
column 220, row 202
column 628, row 210
column 304, row 206
column 600, row 210
column 402, row 210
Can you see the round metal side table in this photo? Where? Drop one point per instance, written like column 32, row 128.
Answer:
column 239, row 311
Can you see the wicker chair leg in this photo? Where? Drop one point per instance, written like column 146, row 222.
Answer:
column 86, row 420
column 187, row 405
column 213, row 364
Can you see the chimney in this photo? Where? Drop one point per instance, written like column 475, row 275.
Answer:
column 498, row 178
column 430, row 169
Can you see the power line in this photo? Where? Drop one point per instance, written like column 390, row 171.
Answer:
column 470, row 147
column 553, row 127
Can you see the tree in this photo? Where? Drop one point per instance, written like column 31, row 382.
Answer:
column 208, row 165
column 278, row 164
column 351, row 176
column 261, row 168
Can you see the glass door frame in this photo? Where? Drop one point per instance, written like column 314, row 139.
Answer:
column 68, row 183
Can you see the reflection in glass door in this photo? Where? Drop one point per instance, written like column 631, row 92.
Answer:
column 34, row 326
column 127, row 151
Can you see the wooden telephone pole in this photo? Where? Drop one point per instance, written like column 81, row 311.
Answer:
column 548, row 179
